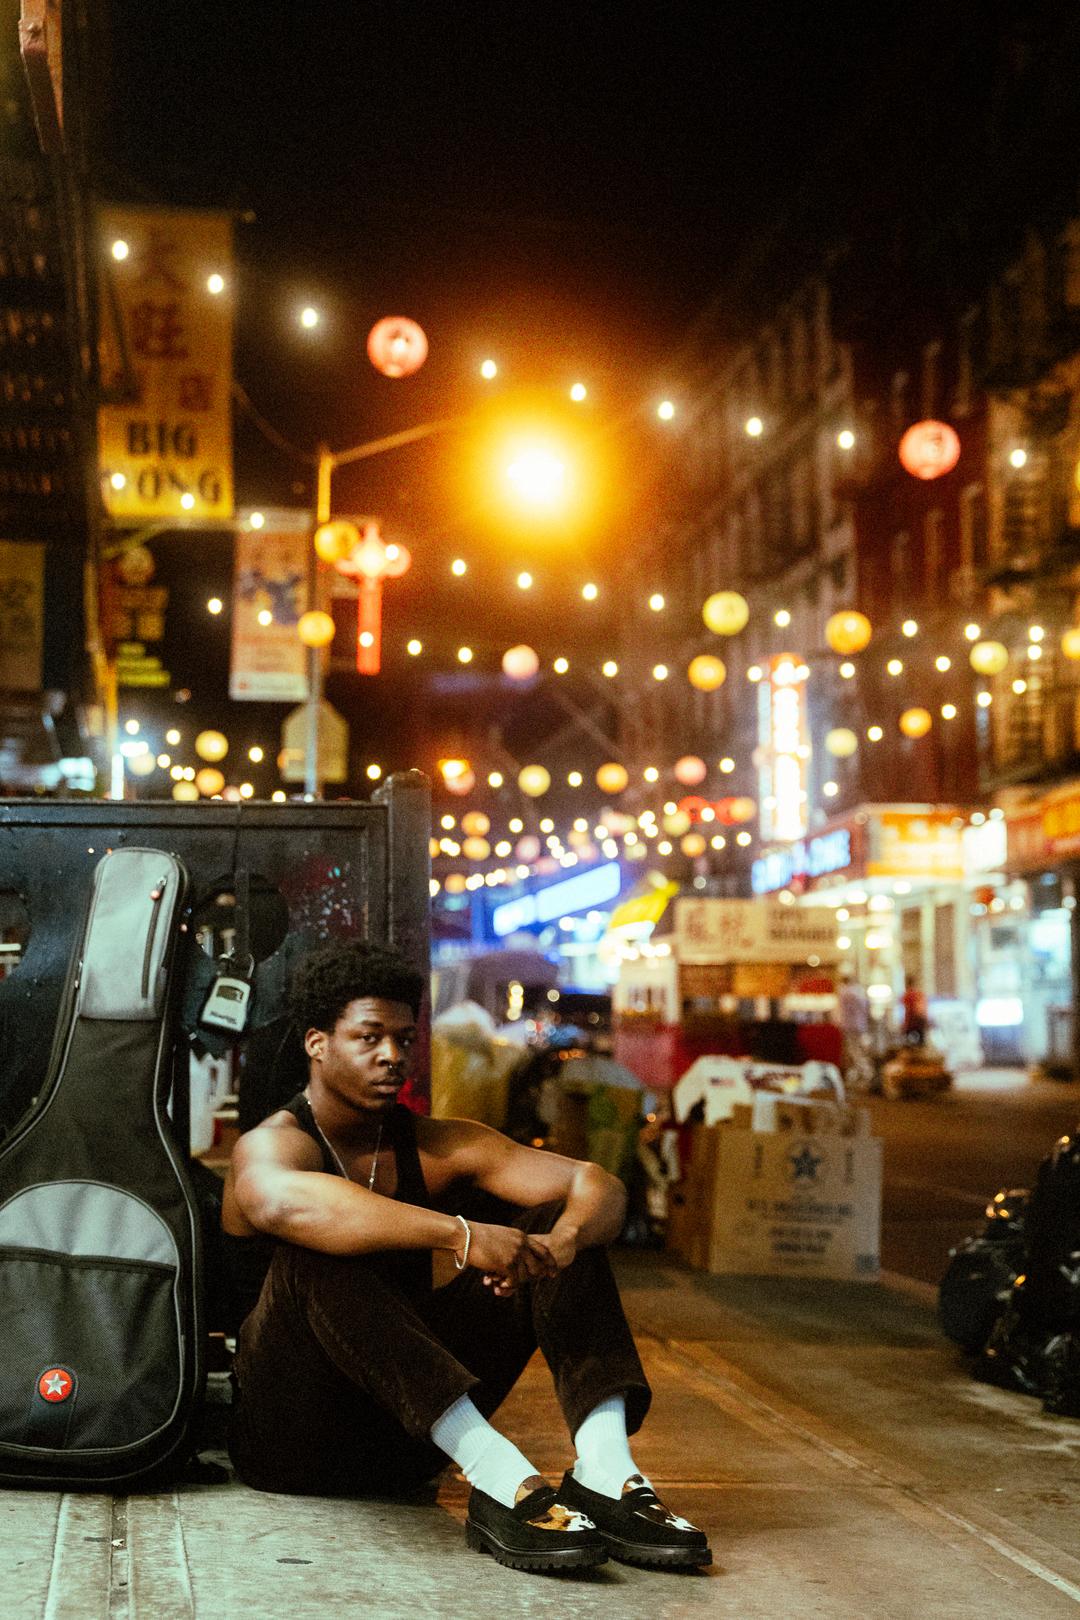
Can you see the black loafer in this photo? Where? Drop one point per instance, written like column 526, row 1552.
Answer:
column 637, row 1528
column 542, row 1532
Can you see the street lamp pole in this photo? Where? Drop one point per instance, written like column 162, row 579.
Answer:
column 312, row 774
column 327, row 463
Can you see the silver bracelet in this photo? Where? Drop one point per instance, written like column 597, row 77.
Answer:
column 463, row 1262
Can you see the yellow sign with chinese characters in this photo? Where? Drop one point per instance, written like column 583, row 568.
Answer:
column 916, row 843
column 165, row 447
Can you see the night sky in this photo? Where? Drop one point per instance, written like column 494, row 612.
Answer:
column 589, row 167
column 566, row 186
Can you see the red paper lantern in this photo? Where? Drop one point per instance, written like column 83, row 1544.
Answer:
column 520, row 663
column 396, row 346
column 742, row 809
column 690, row 770
column 929, row 449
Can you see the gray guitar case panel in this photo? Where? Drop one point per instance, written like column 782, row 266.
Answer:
column 101, row 1343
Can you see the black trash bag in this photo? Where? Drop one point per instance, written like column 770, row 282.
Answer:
column 977, row 1285
column 1050, row 1301
column 1014, row 1356
column 1007, row 1214
column 1061, row 1375
column 1034, row 1345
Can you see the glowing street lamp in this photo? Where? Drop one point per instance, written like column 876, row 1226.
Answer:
column 537, row 476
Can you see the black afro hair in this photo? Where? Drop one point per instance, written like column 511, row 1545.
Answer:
column 327, row 980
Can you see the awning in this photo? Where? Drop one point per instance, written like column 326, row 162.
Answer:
column 644, row 905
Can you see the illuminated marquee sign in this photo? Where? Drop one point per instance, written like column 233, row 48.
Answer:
column 785, row 750
column 831, row 852
column 579, row 893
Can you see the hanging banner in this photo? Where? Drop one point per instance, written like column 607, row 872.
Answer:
column 166, row 353
column 133, row 618
column 269, row 661
column 22, row 614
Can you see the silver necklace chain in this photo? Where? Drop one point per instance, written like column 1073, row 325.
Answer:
column 337, row 1156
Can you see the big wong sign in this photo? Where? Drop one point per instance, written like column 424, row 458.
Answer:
column 165, row 445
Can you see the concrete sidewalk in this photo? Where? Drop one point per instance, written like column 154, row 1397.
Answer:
column 833, row 1444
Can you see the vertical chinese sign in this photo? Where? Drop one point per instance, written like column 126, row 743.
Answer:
column 134, row 618
column 269, row 661
column 165, row 447
column 22, row 614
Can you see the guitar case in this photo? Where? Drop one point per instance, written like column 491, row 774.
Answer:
column 101, row 1335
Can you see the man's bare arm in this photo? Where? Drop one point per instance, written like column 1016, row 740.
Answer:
column 276, row 1188
column 595, row 1201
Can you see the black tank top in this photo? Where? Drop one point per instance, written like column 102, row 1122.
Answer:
column 248, row 1259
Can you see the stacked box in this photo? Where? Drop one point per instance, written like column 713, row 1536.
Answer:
column 802, row 1198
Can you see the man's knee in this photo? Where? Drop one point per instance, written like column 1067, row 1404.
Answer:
column 360, row 1282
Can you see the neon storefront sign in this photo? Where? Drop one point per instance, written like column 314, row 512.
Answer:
column 579, row 893
column 816, row 857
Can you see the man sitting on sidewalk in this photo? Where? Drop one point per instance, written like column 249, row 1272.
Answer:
column 388, row 1328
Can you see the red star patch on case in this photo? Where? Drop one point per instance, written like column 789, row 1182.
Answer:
column 55, row 1384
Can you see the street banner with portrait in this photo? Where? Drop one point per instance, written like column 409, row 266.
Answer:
column 22, row 614
column 269, row 661
column 165, row 439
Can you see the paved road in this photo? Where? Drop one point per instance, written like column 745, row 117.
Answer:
column 945, row 1157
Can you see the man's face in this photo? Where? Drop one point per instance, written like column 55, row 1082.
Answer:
column 367, row 1055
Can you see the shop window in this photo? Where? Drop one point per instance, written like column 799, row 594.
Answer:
column 911, row 962
column 945, row 950
column 933, row 551
column 965, row 363
column 973, row 549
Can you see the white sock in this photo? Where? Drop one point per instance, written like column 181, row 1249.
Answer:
column 487, row 1458
column 604, row 1462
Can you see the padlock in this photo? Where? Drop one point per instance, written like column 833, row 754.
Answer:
column 229, row 1000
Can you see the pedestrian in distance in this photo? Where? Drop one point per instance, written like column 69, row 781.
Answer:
column 915, row 1019
column 382, row 1326
column 853, row 1016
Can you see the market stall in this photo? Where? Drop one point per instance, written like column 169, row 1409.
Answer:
column 750, row 978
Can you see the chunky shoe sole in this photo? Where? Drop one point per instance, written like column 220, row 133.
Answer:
column 482, row 1540
column 643, row 1543
column 629, row 1552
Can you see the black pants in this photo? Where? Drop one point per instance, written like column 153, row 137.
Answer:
column 341, row 1369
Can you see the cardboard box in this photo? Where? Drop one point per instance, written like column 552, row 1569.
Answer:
column 689, row 1220
column 807, row 1116
column 779, row 1204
